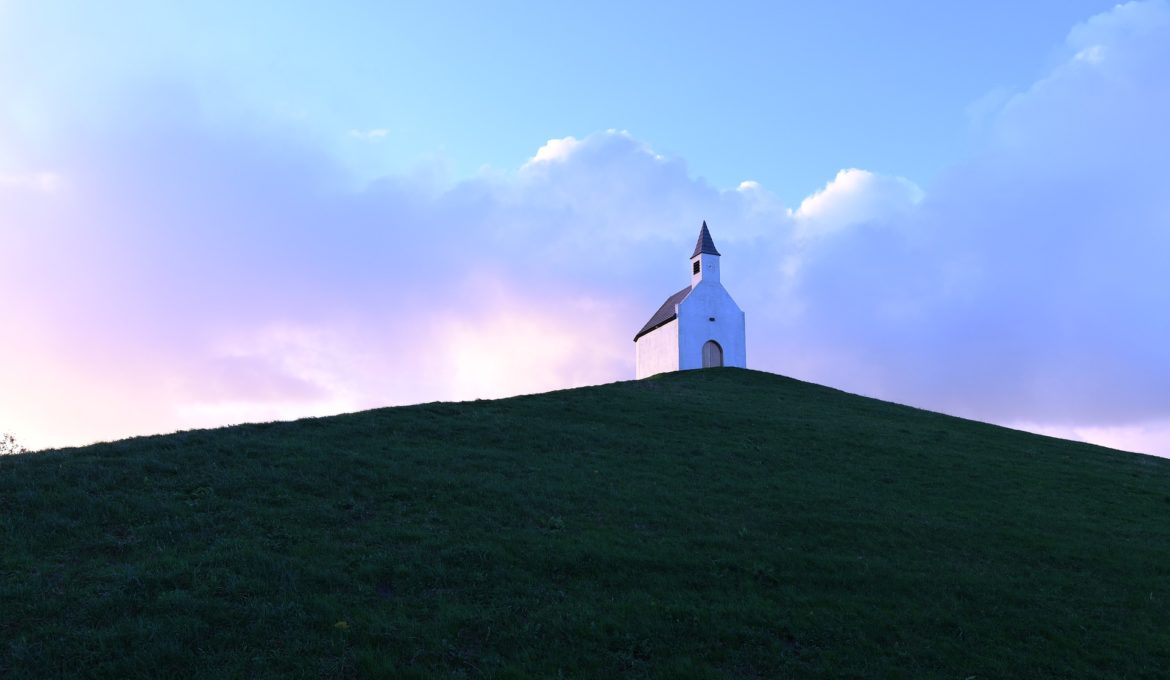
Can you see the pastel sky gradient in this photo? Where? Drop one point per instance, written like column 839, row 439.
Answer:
column 249, row 211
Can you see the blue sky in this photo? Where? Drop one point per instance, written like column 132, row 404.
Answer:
column 782, row 93
column 220, row 213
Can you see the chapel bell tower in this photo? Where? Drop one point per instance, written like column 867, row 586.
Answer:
column 705, row 259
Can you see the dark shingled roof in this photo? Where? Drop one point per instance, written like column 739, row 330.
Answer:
column 665, row 313
column 704, row 244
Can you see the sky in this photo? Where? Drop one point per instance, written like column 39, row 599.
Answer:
column 234, row 212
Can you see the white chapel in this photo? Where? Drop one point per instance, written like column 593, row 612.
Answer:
column 698, row 327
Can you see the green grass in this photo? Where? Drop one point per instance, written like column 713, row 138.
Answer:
column 720, row 523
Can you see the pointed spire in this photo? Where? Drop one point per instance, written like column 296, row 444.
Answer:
column 704, row 244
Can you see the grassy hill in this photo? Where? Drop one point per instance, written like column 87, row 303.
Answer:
column 720, row 523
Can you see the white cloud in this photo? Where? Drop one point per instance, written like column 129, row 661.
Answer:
column 1151, row 437
column 855, row 196
column 1130, row 23
column 555, row 150
column 43, row 182
column 1023, row 283
column 1026, row 284
column 1093, row 54
column 514, row 349
column 371, row 135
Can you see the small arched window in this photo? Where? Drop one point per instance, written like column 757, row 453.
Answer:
column 712, row 354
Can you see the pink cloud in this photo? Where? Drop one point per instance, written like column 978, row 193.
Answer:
column 187, row 274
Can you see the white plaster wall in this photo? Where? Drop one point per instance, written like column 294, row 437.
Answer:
column 657, row 351
column 710, row 300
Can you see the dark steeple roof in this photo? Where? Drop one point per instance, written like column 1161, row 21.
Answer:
column 665, row 313
column 704, row 244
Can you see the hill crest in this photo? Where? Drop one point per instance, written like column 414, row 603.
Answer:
column 715, row 523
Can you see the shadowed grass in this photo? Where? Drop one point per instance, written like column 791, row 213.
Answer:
column 719, row 523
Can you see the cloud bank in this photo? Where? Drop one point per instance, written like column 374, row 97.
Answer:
column 162, row 270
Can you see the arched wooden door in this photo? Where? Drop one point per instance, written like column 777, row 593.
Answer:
column 712, row 354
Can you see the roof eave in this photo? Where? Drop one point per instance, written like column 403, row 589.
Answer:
column 647, row 331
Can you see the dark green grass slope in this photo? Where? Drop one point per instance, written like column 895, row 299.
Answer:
column 721, row 523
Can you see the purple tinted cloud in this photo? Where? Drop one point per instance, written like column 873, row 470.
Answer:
column 166, row 270
column 1030, row 282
